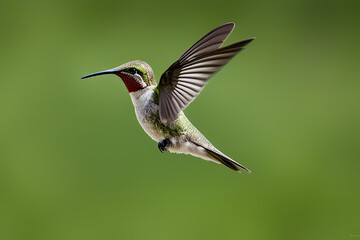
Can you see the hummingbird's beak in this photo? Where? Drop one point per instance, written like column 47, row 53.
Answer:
column 109, row 71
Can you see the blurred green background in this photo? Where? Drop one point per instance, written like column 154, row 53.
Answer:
column 75, row 163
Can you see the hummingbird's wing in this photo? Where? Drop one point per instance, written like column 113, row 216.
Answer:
column 183, row 81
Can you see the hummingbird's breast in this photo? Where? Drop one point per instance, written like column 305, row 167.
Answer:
column 147, row 113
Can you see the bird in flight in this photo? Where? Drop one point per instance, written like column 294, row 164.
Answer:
column 159, row 108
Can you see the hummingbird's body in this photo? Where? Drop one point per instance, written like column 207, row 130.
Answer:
column 184, row 137
column 159, row 108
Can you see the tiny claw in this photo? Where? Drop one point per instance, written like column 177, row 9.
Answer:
column 164, row 145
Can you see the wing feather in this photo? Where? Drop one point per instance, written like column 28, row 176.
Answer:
column 211, row 41
column 182, row 82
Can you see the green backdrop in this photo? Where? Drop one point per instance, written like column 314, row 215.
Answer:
column 75, row 163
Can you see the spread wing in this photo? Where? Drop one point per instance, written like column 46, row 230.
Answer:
column 183, row 81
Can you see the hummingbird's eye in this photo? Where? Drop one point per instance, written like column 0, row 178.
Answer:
column 133, row 71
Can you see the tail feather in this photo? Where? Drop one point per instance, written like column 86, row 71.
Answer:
column 218, row 157
column 226, row 161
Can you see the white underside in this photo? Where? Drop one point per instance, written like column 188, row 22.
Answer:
column 144, row 107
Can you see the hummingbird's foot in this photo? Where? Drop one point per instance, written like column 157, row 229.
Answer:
column 164, row 144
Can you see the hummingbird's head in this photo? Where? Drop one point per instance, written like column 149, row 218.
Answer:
column 136, row 75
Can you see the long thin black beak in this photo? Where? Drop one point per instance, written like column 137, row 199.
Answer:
column 109, row 71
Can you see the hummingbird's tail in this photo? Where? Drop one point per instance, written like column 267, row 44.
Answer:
column 226, row 161
column 221, row 158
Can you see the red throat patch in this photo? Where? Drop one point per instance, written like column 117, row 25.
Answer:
column 131, row 84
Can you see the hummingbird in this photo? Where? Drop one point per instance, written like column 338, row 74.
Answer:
column 159, row 107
